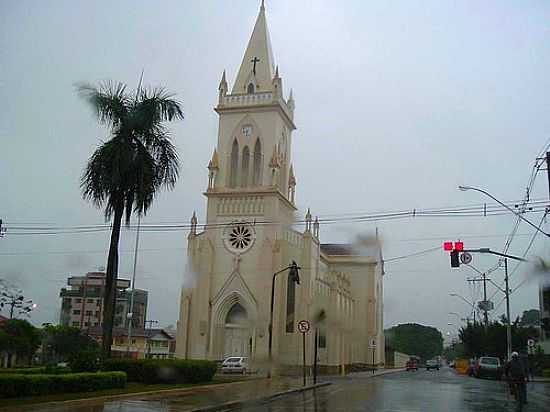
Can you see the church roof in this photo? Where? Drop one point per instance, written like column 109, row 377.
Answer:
column 259, row 50
column 347, row 249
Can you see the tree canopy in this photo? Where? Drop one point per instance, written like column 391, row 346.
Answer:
column 17, row 336
column 415, row 339
column 479, row 341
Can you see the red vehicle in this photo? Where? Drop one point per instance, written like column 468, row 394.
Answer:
column 412, row 364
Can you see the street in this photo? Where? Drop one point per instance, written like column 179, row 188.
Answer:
column 421, row 391
column 442, row 390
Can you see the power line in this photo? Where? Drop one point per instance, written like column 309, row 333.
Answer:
column 422, row 252
column 415, row 213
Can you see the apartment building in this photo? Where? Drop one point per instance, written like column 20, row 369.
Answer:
column 82, row 302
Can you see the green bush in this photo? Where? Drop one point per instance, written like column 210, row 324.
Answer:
column 43, row 370
column 17, row 385
column 87, row 360
column 163, row 371
column 25, row 371
column 546, row 373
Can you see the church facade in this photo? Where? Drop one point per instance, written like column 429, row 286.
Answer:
column 251, row 233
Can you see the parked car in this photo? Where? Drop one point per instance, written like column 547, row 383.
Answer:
column 432, row 364
column 488, row 366
column 412, row 365
column 235, row 364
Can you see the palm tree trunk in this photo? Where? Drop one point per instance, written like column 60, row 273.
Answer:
column 109, row 299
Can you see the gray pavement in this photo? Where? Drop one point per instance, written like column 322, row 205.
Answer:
column 420, row 391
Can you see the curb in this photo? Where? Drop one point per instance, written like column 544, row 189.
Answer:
column 239, row 404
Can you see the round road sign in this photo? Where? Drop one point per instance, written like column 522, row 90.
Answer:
column 466, row 258
column 530, row 342
column 303, row 326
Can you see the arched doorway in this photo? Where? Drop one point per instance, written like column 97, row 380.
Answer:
column 237, row 335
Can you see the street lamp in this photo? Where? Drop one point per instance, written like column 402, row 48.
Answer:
column 518, row 214
column 293, row 276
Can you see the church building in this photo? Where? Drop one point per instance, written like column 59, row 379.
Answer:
column 251, row 232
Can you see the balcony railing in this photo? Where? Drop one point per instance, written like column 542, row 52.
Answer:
column 248, row 99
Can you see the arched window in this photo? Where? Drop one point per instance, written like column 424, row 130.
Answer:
column 290, row 304
column 250, row 89
column 234, row 164
column 236, row 315
column 257, row 180
column 244, row 170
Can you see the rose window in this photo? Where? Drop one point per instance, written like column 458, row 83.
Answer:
column 239, row 237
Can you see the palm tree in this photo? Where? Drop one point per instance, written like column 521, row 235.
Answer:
column 126, row 172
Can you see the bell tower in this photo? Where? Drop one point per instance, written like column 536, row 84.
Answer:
column 251, row 165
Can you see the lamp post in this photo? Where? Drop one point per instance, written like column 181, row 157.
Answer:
column 518, row 214
column 130, row 314
column 293, row 276
column 468, row 302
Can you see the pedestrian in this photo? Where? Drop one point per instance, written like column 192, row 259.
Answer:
column 515, row 370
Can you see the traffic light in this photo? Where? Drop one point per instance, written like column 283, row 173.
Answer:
column 455, row 262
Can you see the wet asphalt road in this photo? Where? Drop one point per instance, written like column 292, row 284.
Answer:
column 422, row 391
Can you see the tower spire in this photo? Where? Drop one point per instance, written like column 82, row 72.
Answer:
column 257, row 67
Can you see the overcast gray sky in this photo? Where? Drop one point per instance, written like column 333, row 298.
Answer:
column 397, row 103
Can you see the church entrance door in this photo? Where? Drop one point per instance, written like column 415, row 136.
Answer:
column 237, row 334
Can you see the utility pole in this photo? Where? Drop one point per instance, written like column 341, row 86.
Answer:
column 485, row 309
column 508, row 323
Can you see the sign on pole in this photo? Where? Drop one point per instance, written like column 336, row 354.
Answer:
column 531, row 342
column 466, row 258
column 303, row 326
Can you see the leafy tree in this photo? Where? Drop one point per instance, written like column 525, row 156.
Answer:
column 530, row 317
column 64, row 342
column 126, row 172
column 491, row 341
column 415, row 339
column 17, row 336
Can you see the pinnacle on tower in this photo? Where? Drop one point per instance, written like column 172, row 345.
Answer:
column 223, row 83
column 214, row 162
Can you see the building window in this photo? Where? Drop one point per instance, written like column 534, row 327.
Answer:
column 322, row 340
column 290, row 304
column 78, row 300
column 76, row 324
column 96, row 324
column 234, row 165
column 257, row 180
column 244, row 169
column 90, row 301
column 250, row 88
column 76, row 312
column 89, row 313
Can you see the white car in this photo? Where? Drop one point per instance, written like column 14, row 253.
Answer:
column 235, row 364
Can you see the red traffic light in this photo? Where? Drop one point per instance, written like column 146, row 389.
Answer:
column 459, row 246
column 447, row 246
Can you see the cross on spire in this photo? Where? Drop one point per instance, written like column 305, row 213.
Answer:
column 254, row 60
